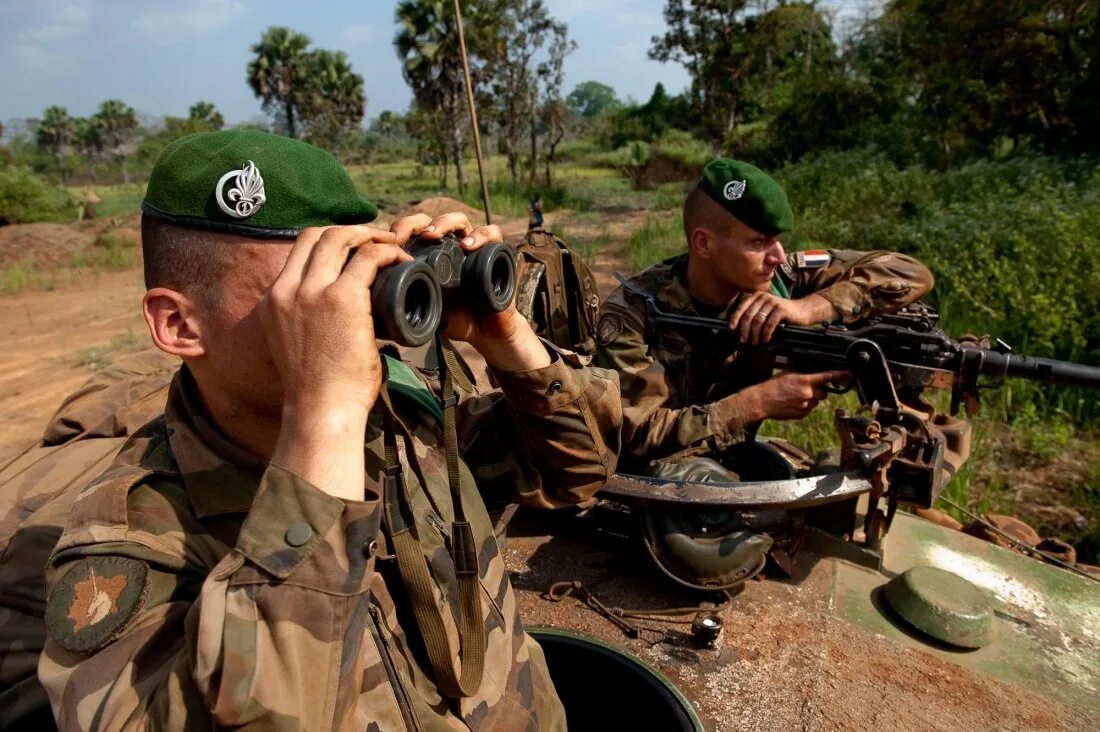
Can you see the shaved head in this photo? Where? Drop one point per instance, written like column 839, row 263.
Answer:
column 702, row 211
column 191, row 261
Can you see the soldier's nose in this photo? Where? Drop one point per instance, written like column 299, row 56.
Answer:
column 777, row 254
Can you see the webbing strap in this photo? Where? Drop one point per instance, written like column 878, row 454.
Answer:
column 779, row 287
column 413, row 568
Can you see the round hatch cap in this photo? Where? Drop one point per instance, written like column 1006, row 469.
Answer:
column 942, row 605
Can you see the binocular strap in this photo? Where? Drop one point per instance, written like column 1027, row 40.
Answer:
column 413, row 566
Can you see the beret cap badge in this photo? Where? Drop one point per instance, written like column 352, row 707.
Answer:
column 246, row 197
column 734, row 190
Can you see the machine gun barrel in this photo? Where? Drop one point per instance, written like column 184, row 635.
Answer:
column 1050, row 371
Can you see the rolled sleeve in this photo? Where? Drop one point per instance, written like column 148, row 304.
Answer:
column 725, row 422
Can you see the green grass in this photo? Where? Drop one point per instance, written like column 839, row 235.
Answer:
column 118, row 200
column 659, row 237
column 98, row 358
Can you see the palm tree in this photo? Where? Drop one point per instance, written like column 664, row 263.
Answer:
column 427, row 45
column 88, row 139
column 334, row 102
column 55, row 135
column 206, row 114
column 277, row 73
column 117, row 124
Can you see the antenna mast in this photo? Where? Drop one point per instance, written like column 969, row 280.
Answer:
column 473, row 115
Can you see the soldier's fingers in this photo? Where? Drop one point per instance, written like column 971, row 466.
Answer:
column 363, row 268
column 455, row 222
column 291, row 275
column 826, row 377
column 775, row 317
column 330, row 254
column 407, row 227
column 481, row 236
column 739, row 313
column 753, row 320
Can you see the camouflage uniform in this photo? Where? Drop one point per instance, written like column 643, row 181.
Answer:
column 196, row 586
column 678, row 393
column 36, row 490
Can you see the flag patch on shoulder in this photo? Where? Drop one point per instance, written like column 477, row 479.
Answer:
column 812, row 259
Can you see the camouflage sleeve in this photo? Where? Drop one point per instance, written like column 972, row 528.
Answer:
column 652, row 429
column 151, row 626
column 547, row 437
column 862, row 283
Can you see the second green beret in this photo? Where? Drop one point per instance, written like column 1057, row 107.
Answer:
column 252, row 183
column 750, row 194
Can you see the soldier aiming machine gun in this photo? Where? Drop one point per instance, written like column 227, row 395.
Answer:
column 904, row 448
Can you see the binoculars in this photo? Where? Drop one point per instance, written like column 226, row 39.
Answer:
column 407, row 299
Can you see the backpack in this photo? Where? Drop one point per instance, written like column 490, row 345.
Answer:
column 556, row 291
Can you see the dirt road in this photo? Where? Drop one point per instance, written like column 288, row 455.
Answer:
column 48, row 339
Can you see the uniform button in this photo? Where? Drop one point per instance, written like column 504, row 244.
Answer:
column 370, row 549
column 298, row 533
column 555, row 386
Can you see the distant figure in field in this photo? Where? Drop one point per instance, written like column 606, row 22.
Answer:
column 534, row 208
column 88, row 202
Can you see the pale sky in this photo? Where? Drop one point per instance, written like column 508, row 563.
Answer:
column 160, row 57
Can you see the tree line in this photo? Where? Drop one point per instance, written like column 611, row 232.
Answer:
column 931, row 82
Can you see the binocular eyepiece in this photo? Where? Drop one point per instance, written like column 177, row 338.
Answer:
column 407, row 299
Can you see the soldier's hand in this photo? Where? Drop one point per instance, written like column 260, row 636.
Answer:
column 317, row 320
column 505, row 339
column 786, row 395
column 760, row 313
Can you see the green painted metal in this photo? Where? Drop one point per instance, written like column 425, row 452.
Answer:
column 1046, row 619
column 943, row 605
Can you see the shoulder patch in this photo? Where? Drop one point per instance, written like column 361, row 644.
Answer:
column 95, row 601
column 787, row 271
column 611, row 325
column 812, row 259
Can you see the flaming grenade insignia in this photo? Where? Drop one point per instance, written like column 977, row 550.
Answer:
column 734, row 190
column 247, row 196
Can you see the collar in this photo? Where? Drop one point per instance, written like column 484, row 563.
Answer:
column 672, row 291
column 219, row 476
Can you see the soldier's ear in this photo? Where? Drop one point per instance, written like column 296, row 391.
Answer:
column 701, row 242
column 173, row 320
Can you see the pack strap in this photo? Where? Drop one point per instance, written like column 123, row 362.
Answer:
column 413, row 567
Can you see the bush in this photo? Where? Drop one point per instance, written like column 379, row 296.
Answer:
column 26, row 198
column 1012, row 243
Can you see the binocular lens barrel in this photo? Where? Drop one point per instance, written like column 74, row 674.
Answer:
column 407, row 299
column 489, row 278
column 406, row 303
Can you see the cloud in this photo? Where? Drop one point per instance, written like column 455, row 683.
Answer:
column 354, row 35
column 195, row 16
column 36, row 48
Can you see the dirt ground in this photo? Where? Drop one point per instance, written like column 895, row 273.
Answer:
column 48, row 338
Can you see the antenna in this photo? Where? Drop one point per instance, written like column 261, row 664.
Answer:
column 473, row 114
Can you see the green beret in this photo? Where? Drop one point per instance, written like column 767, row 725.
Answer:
column 748, row 193
column 252, row 183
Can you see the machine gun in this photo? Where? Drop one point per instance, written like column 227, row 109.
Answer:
column 908, row 450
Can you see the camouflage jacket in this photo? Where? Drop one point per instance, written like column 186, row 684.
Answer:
column 677, row 392
column 195, row 586
column 36, row 490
